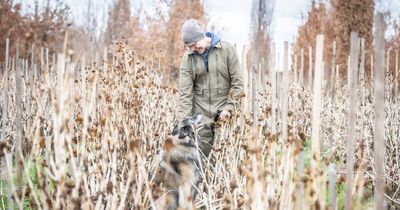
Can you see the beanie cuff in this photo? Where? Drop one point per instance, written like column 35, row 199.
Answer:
column 193, row 39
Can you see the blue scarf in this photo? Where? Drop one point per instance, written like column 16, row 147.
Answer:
column 214, row 40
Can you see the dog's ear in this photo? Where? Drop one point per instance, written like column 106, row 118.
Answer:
column 196, row 118
column 175, row 130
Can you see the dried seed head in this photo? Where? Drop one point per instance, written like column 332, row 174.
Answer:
column 103, row 121
column 42, row 142
column 134, row 144
column 240, row 201
column 109, row 187
column 79, row 118
column 74, row 140
column 233, row 184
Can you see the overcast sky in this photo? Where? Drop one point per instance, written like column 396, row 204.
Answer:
column 232, row 17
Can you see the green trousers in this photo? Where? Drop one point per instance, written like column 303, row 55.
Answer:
column 207, row 139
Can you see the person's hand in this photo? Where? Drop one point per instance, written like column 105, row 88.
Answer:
column 224, row 115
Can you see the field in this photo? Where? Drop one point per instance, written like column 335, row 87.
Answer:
column 89, row 135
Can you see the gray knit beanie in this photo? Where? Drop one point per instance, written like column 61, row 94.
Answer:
column 192, row 31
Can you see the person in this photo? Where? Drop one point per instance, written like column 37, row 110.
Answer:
column 210, row 80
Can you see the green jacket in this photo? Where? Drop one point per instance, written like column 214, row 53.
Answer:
column 207, row 92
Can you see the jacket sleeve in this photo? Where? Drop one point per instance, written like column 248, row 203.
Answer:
column 236, row 77
column 185, row 89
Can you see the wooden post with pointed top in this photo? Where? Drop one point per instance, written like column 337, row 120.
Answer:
column 379, row 144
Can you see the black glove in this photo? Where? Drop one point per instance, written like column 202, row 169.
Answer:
column 216, row 116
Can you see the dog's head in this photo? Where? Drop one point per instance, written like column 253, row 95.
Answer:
column 187, row 127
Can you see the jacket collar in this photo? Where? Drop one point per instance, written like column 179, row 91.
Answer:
column 217, row 45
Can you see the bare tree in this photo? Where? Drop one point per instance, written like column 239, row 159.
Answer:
column 180, row 11
column 261, row 19
column 118, row 21
column 360, row 21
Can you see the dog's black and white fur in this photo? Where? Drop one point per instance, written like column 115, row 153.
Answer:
column 179, row 172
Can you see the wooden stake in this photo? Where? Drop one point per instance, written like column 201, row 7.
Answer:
column 310, row 76
column 273, row 84
column 245, row 104
column 253, row 89
column 301, row 76
column 316, row 121
column 379, row 144
column 354, row 54
column 32, row 56
column 285, row 91
column 105, row 60
column 250, row 85
column 300, row 171
column 388, row 60
column 317, row 100
column 372, row 67
column 332, row 185
column 5, row 108
column 362, row 73
column 333, row 70
column 18, row 124
column 42, row 62
column 65, row 45
column 295, row 71
column 396, row 75
column 262, row 76
column 46, row 69
column 7, row 51
column 362, row 85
